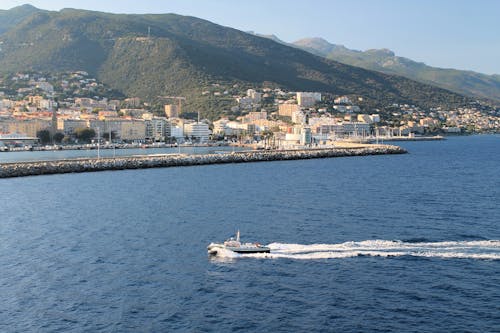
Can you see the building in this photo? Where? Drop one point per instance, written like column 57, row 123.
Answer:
column 135, row 113
column 157, row 129
column 107, row 114
column 29, row 127
column 220, row 126
column 287, row 109
column 342, row 100
column 197, row 131
column 133, row 130
column 356, row 129
column 254, row 116
column 45, row 86
column 177, row 132
column 255, row 96
column 171, row 111
column 68, row 126
column 245, row 103
column 133, row 102
column 308, row 99
column 299, row 117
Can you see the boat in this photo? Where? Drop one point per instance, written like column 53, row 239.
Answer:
column 234, row 244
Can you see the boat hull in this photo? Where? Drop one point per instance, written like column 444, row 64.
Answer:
column 214, row 248
column 260, row 249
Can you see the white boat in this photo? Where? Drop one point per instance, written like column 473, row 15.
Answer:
column 234, row 244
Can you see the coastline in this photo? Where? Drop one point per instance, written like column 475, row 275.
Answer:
column 23, row 169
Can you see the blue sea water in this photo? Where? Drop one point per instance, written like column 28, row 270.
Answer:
column 396, row 243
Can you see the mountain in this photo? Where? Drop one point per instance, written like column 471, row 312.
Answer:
column 9, row 18
column 385, row 61
column 183, row 54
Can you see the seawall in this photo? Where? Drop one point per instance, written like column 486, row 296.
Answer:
column 23, row 169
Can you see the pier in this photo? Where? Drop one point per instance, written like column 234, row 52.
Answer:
column 22, row 169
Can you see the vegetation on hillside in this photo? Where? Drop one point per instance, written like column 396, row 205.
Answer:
column 182, row 55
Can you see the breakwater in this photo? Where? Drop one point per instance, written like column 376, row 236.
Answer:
column 22, row 169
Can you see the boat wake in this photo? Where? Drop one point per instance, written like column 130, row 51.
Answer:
column 484, row 249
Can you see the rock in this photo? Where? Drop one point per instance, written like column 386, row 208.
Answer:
column 138, row 162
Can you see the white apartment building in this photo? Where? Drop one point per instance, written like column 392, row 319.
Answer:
column 197, row 131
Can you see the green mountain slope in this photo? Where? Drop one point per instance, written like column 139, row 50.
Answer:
column 383, row 60
column 184, row 53
column 9, row 18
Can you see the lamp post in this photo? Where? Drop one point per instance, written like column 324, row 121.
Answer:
column 98, row 142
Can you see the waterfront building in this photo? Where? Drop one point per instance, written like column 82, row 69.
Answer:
column 305, row 136
column 68, row 126
column 220, row 126
column 356, row 129
column 177, row 132
column 198, row 131
column 133, row 130
column 29, row 127
column 157, row 129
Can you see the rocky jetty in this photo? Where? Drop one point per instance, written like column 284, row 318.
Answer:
column 22, row 169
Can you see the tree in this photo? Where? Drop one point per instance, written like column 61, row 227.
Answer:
column 84, row 134
column 58, row 137
column 44, row 136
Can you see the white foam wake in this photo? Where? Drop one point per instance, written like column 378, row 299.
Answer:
column 485, row 249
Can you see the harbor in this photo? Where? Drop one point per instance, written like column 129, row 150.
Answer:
column 33, row 168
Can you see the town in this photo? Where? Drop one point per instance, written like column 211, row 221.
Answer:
column 68, row 109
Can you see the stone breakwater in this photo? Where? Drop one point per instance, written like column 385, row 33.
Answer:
column 23, row 169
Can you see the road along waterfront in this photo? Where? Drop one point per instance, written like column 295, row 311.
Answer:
column 21, row 169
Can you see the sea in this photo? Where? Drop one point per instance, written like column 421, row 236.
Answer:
column 393, row 243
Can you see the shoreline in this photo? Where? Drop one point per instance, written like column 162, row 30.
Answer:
column 23, row 169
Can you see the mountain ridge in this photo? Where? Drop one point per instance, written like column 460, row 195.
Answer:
column 182, row 54
column 465, row 82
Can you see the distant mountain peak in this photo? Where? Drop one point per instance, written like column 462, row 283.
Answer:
column 386, row 61
column 10, row 18
column 25, row 7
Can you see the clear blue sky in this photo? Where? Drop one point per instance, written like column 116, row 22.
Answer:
column 462, row 34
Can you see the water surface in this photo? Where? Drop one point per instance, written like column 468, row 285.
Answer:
column 397, row 243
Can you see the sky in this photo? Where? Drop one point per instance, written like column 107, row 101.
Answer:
column 461, row 34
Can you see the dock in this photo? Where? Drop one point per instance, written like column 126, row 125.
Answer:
column 22, row 169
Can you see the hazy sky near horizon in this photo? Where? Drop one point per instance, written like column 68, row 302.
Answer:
column 461, row 34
